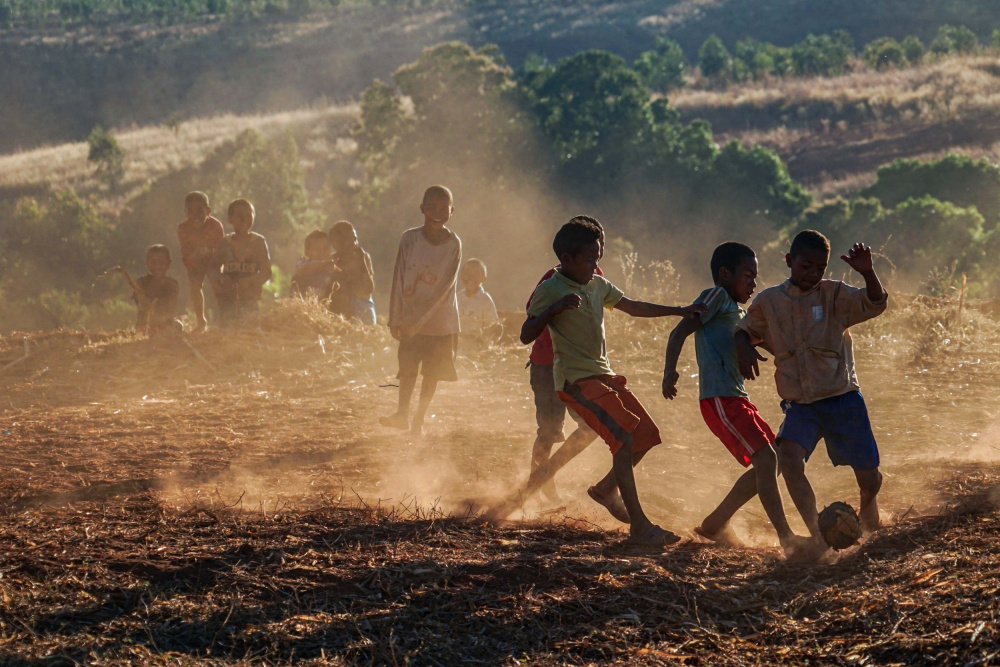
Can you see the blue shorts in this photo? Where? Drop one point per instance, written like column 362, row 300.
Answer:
column 842, row 421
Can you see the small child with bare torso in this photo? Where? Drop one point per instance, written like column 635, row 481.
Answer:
column 198, row 234
column 155, row 294
column 315, row 272
column 242, row 264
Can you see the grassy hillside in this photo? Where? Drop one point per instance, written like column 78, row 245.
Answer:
column 117, row 72
column 835, row 132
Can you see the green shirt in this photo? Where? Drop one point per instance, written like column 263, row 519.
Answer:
column 577, row 334
column 718, row 371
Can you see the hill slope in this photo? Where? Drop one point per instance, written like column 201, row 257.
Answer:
column 67, row 81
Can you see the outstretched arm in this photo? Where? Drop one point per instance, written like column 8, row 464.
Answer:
column 859, row 258
column 534, row 326
column 675, row 343
column 646, row 309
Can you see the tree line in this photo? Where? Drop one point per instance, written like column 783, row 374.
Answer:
column 666, row 67
column 522, row 149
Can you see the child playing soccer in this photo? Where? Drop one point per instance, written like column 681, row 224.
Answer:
column 423, row 309
column 571, row 304
column 475, row 305
column 804, row 323
column 243, row 263
column 314, row 273
column 724, row 403
column 199, row 234
column 355, row 278
column 550, row 412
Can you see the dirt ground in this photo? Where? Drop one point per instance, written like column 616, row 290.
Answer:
column 229, row 498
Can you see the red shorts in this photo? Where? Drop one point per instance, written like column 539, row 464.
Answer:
column 607, row 406
column 736, row 422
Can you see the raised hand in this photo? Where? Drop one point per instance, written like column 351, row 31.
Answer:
column 859, row 258
column 669, row 386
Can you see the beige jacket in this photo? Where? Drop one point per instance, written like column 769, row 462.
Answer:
column 807, row 332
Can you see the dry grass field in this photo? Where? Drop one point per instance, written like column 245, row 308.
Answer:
column 228, row 498
column 834, row 132
column 155, row 151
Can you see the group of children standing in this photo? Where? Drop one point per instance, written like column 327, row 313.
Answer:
column 334, row 269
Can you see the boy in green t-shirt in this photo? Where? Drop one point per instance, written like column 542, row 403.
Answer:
column 571, row 304
column 724, row 403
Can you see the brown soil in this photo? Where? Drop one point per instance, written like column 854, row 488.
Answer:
column 228, row 500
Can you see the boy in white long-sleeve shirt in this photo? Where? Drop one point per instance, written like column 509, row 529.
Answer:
column 423, row 309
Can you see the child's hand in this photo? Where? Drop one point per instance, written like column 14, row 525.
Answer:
column 694, row 310
column 568, row 302
column 397, row 332
column 859, row 258
column 669, row 386
column 747, row 358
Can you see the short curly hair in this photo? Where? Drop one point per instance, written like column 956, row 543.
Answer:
column 575, row 234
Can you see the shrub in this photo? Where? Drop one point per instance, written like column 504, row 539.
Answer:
column 663, row 68
column 885, row 53
column 107, row 154
column 713, row 58
column 960, row 180
column 913, row 49
column 827, row 55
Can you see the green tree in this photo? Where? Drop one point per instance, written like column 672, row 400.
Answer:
column 957, row 179
column 664, row 68
column 964, row 39
column 823, row 55
column 269, row 174
column 885, row 53
column 714, row 59
column 995, row 39
column 944, row 42
column 760, row 59
column 107, row 154
column 913, row 49
column 594, row 111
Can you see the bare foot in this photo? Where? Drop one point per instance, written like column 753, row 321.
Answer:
column 724, row 536
column 614, row 504
column 653, row 536
column 396, row 420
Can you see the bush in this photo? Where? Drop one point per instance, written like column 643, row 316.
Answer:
column 753, row 59
column 913, row 49
column 107, row 154
column 885, row 53
column 713, row 58
column 959, row 180
column 826, row 55
column 954, row 39
column 662, row 69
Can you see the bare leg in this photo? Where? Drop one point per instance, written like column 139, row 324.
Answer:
column 578, row 441
column 742, row 492
column 401, row 418
column 870, row 482
column 427, row 389
column 622, row 464
column 540, row 452
column 792, row 458
column 198, row 303
column 608, row 485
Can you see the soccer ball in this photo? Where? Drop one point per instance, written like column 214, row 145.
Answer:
column 840, row 526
